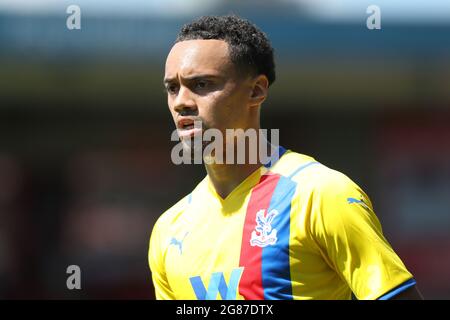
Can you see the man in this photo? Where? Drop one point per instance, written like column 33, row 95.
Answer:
column 289, row 228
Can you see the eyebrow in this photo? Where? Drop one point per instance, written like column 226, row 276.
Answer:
column 191, row 78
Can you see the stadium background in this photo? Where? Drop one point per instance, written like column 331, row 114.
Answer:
column 85, row 132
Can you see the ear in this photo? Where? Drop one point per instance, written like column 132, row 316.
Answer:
column 259, row 90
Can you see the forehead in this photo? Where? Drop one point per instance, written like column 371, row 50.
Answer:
column 193, row 57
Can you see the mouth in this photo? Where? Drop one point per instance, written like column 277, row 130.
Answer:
column 188, row 127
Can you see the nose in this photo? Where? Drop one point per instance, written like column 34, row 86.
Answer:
column 184, row 103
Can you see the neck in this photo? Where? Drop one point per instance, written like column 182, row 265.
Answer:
column 226, row 177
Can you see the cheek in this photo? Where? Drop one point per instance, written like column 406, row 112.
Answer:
column 224, row 108
column 224, row 113
column 231, row 98
column 234, row 105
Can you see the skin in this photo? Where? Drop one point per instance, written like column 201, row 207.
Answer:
column 202, row 82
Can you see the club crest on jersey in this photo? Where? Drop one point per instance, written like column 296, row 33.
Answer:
column 264, row 234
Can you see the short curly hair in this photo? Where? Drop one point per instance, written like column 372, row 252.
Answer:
column 250, row 49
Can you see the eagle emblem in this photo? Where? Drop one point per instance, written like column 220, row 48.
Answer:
column 264, row 234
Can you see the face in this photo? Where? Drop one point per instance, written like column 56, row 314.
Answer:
column 203, row 85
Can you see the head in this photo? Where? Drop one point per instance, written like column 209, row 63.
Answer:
column 218, row 72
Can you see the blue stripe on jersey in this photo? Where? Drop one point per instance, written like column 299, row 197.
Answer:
column 275, row 157
column 276, row 274
column 397, row 290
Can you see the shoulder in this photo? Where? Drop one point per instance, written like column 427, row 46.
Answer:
column 336, row 203
column 166, row 220
column 327, row 182
column 312, row 175
column 328, row 196
column 174, row 214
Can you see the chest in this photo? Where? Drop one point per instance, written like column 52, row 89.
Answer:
column 242, row 254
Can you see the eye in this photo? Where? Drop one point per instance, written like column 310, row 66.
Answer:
column 201, row 84
column 171, row 88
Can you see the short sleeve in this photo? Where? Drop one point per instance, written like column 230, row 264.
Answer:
column 350, row 237
column 156, row 262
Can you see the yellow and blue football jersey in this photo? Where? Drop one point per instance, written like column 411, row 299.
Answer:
column 294, row 229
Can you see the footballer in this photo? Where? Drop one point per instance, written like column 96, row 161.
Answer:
column 289, row 228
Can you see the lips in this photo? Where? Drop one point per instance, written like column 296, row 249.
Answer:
column 185, row 123
column 186, row 128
